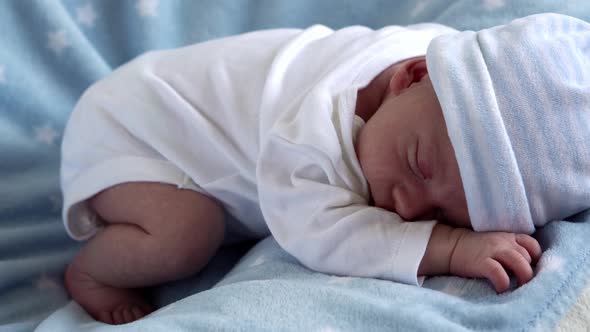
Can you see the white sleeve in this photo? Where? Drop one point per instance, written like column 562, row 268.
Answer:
column 330, row 228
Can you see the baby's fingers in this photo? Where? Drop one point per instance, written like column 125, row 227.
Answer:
column 525, row 254
column 516, row 263
column 531, row 245
column 496, row 274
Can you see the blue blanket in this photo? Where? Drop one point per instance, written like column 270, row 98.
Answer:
column 52, row 50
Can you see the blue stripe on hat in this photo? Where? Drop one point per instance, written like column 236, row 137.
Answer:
column 516, row 101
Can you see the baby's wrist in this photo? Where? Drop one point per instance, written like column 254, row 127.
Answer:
column 454, row 262
column 440, row 249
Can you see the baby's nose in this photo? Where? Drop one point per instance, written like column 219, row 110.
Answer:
column 410, row 204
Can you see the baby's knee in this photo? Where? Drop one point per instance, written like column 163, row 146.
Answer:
column 189, row 247
column 183, row 228
column 188, row 239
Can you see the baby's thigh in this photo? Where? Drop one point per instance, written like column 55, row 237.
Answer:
column 162, row 210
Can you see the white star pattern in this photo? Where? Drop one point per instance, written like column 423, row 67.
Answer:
column 260, row 260
column 344, row 281
column 2, row 76
column 418, row 8
column 328, row 329
column 45, row 134
column 86, row 15
column 147, row 7
column 494, row 4
column 58, row 41
column 45, row 282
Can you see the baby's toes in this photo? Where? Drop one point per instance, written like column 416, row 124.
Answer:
column 127, row 313
column 138, row 313
column 106, row 317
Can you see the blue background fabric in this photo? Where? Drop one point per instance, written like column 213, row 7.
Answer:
column 51, row 51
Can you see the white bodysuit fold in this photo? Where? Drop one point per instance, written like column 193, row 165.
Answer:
column 264, row 123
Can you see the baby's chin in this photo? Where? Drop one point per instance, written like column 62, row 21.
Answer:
column 375, row 201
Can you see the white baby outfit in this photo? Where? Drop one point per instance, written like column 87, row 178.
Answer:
column 264, row 123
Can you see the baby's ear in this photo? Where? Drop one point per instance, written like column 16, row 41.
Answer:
column 408, row 72
column 419, row 70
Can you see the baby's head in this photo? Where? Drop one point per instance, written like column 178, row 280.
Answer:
column 406, row 153
column 495, row 134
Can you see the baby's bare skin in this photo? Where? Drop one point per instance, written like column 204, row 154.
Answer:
column 465, row 253
column 409, row 162
column 155, row 233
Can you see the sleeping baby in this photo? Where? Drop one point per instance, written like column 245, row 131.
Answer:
column 396, row 153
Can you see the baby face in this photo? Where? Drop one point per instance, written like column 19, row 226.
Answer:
column 408, row 160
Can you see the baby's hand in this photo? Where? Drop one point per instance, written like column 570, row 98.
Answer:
column 490, row 255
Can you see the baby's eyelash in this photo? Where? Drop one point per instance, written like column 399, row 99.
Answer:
column 414, row 166
column 411, row 168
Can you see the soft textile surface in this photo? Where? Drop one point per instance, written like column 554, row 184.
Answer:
column 522, row 99
column 269, row 290
column 52, row 50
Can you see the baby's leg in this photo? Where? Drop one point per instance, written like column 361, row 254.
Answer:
column 155, row 233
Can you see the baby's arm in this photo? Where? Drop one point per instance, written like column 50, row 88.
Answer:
column 465, row 253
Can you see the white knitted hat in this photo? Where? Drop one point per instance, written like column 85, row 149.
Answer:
column 516, row 101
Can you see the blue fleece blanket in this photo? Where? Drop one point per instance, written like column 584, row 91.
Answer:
column 51, row 50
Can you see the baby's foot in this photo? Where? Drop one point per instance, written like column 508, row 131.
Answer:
column 123, row 314
column 105, row 303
